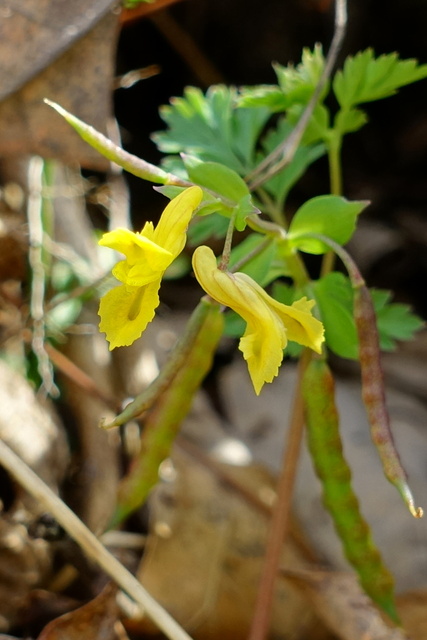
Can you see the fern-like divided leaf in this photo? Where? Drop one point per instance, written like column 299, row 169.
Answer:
column 365, row 78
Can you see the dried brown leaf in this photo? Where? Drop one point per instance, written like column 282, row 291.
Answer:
column 63, row 51
column 24, row 563
column 96, row 620
column 204, row 555
column 412, row 607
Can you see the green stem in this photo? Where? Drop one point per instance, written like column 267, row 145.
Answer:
column 271, row 208
column 251, row 255
column 226, row 252
column 297, row 269
column 335, row 172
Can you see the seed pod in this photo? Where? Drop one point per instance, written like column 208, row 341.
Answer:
column 325, row 446
column 163, row 422
column 374, row 397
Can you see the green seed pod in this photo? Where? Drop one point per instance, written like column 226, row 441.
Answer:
column 325, row 446
column 164, row 420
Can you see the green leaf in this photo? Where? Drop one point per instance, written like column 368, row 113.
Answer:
column 298, row 83
column 334, row 296
column 365, row 78
column 263, row 95
column 209, row 205
column 395, row 321
column 244, row 209
column 216, row 177
column 280, row 185
column 332, row 216
column 232, row 189
column 348, row 121
column 212, row 127
column 318, row 126
column 259, row 267
column 202, row 229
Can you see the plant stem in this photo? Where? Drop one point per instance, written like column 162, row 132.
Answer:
column 284, row 153
column 335, row 172
column 251, row 255
column 225, row 258
column 279, row 526
column 334, row 157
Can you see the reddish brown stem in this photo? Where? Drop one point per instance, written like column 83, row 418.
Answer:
column 279, row 527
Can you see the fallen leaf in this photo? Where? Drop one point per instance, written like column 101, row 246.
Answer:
column 204, row 555
column 24, row 564
column 44, row 47
column 96, row 620
column 412, row 608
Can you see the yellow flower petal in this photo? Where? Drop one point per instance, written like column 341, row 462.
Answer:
column 269, row 323
column 172, row 226
column 126, row 311
column 301, row 326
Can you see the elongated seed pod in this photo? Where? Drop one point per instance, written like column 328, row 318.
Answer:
column 373, row 393
column 163, row 422
column 374, row 396
column 325, row 446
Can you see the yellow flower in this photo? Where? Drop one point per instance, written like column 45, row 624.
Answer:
column 126, row 310
column 270, row 324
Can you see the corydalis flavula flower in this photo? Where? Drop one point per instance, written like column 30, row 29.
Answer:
column 270, row 324
column 126, row 310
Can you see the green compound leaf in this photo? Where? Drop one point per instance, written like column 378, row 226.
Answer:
column 365, row 78
column 334, row 296
column 262, row 266
column 212, row 127
column 332, row 216
column 263, row 95
column 395, row 321
column 298, row 83
column 280, row 185
column 202, row 229
column 348, row 121
column 295, row 84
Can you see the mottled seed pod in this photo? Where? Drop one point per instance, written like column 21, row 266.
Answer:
column 373, row 395
column 164, row 420
column 326, row 450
